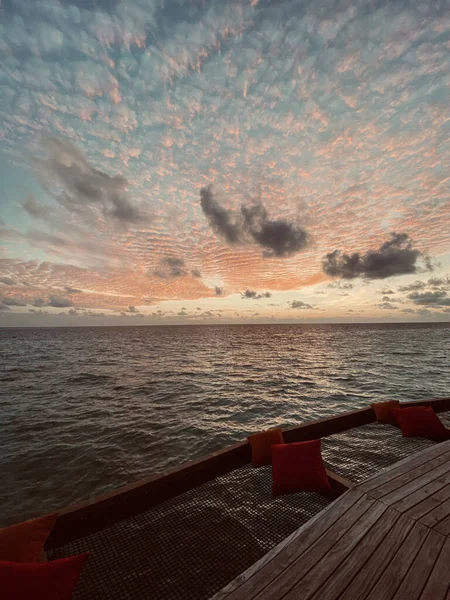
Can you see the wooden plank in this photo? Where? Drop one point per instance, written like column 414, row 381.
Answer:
column 414, row 471
column 365, row 580
column 440, row 511
column 425, row 499
column 403, row 466
column 391, row 579
column 438, row 584
column 422, row 567
column 302, row 566
column 325, row 568
column 310, row 547
column 332, row 588
column 327, row 516
column 443, row 527
column 416, row 483
column 339, row 485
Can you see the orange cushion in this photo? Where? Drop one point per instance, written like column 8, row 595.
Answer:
column 384, row 411
column 299, row 467
column 421, row 421
column 261, row 444
column 24, row 542
column 54, row 580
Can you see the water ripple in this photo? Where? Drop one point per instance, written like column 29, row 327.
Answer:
column 87, row 410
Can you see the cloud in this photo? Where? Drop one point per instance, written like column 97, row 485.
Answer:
column 13, row 301
column 436, row 298
column 35, row 209
column 385, row 291
column 277, row 237
column 439, row 282
column 387, row 306
column 171, row 267
column 6, row 280
column 255, row 295
column 83, row 186
column 412, row 287
column 58, row 302
column 196, row 273
column 299, row 304
column 218, row 290
column 394, row 257
column 342, row 285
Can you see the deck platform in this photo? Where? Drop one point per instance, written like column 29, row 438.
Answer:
column 388, row 538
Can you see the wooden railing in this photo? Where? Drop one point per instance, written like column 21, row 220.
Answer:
column 93, row 515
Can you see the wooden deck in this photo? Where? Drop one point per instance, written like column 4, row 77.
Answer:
column 386, row 539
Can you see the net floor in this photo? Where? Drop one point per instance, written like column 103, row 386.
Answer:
column 191, row 546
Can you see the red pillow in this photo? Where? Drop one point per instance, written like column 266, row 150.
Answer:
column 298, row 467
column 421, row 421
column 261, row 444
column 54, row 580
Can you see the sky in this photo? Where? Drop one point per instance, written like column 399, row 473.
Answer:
column 202, row 161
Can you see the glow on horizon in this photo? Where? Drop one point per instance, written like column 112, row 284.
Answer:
column 337, row 126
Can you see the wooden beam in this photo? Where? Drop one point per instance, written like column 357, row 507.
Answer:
column 339, row 484
column 93, row 515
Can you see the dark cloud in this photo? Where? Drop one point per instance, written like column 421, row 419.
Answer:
column 3, row 306
column 71, row 290
column 387, row 306
column 83, row 185
column 6, row 280
column 277, row 237
column 413, row 287
column 255, row 295
column 436, row 298
column 300, row 304
column 386, row 291
column 58, row 302
column 394, row 257
column 342, row 285
column 439, row 282
column 35, row 209
column 196, row 273
column 221, row 220
column 171, row 267
column 218, row 290
column 13, row 301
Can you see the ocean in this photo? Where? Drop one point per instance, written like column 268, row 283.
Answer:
column 86, row 410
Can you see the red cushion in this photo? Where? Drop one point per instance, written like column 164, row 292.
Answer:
column 54, row 580
column 421, row 421
column 298, row 467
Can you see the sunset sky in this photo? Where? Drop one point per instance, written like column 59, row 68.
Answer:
column 200, row 161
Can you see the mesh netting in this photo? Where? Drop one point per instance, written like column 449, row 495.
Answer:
column 191, row 546
column 377, row 447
